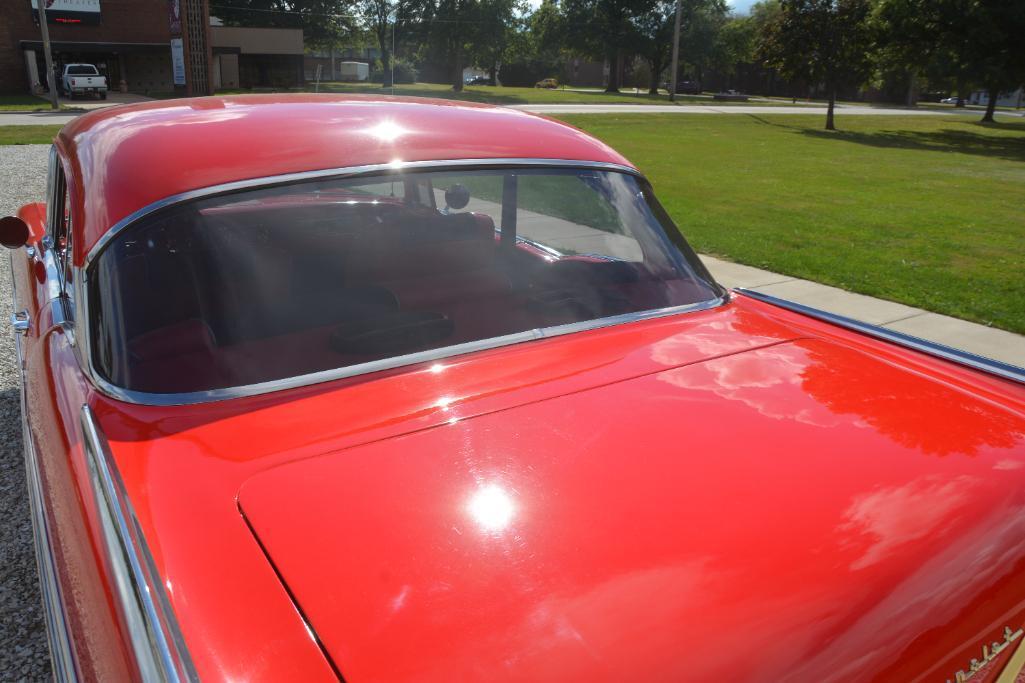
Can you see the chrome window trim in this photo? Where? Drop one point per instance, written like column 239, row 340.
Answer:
column 156, row 639
column 948, row 353
column 61, row 647
column 83, row 346
column 189, row 398
column 51, row 188
column 343, row 172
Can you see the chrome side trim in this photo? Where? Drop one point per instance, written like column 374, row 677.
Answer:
column 343, row 172
column 157, row 643
column 151, row 399
column 948, row 353
column 62, row 652
column 62, row 657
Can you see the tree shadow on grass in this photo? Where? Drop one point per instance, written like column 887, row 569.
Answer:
column 949, row 140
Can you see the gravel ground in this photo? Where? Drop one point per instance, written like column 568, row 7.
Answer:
column 23, row 649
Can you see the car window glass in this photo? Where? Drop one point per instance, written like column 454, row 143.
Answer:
column 391, row 188
column 274, row 283
column 569, row 213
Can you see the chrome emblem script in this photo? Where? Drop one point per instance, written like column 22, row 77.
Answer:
column 989, row 653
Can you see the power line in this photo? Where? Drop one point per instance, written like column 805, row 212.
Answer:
column 337, row 16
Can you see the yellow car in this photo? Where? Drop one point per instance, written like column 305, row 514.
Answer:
column 550, row 83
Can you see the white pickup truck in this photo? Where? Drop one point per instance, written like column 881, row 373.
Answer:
column 83, row 79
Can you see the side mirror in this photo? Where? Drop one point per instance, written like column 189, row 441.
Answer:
column 13, row 232
column 457, row 196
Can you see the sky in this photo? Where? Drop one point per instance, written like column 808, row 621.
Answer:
column 741, row 6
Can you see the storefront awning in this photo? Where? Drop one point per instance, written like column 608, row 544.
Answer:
column 66, row 46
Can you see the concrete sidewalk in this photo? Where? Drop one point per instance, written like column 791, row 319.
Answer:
column 845, row 110
column 960, row 334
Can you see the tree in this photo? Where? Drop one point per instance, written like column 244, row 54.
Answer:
column 538, row 51
column 974, row 42
column 820, row 41
column 700, row 33
column 998, row 59
column 493, row 36
column 603, row 28
column 377, row 17
column 653, row 39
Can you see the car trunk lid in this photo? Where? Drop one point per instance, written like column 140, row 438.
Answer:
column 798, row 511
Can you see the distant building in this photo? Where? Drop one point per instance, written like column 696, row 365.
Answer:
column 1012, row 98
column 146, row 46
column 246, row 57
column 142, row 45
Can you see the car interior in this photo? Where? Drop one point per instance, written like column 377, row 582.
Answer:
column 289, row 284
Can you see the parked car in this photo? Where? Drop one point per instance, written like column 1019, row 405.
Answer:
column 549, row 83
column 949, row 100
column 438, row 392
column 83, row 79
column 684, row 87
column 480, row 80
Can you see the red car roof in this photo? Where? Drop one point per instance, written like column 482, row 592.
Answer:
column 124, row 158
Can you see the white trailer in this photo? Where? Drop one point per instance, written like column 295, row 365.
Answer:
column 353, row 71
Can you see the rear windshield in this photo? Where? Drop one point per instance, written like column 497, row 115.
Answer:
column 275, row 283
column 82, row 70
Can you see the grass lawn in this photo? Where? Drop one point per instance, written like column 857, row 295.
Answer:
column 504, row 95
column 24, row 103
column 927, row 211
column 27, row 135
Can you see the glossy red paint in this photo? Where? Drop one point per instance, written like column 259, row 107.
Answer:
column 125, row 158
column 779, row 516
column 741, row 493
column 690, row 524
column 34, row 216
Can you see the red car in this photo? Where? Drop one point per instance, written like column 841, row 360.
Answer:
column 400, row 390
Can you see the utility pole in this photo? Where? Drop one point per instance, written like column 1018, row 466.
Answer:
column 676, row 52
column 395, row 20
column 51, row 76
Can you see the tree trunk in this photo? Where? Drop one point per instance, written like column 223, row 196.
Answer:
column 912, row 100
column 960, row 93
column 613, row 56
column 493, row 72
column 457, row 75
column 991, row 106
column 653, row 83
column 386, row 57
column 382, row 44
column 829, row 111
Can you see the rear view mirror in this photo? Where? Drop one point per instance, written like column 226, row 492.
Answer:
column 457, row 196
column 13, row 232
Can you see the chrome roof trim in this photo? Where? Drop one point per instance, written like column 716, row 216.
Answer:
column 152, row 399
column 156, row 639
column 343, row 172
column 948, row 353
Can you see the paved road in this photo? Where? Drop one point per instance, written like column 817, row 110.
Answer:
column 36, row 118
column 842, row 110
column 47, row 118
column 23, row 650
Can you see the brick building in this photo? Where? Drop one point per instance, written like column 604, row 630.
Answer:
column 135, row 42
